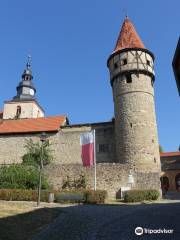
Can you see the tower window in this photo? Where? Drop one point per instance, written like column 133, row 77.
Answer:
column 115, row 66
column 128, row 78
column 124, row 61
column 152, row 83
column 18, row 111
column 148, row 63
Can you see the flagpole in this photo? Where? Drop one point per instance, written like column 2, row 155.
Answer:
column 94, row 133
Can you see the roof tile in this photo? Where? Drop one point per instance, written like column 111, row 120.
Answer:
column 43, row 124
column 128, row 37
column 169, row 154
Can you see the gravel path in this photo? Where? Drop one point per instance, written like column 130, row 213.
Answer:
column 113, row 222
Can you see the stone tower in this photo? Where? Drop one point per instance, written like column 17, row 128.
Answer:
column 24, row 104
column 132, row 80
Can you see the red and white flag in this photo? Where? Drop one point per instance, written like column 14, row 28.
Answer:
column 87, row 148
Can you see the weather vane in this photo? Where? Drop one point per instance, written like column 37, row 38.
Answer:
column 29, row 61
column 125, row 12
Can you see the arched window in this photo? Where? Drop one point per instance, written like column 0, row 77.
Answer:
column 177, row 180
column 18, row 111
column 164, row 183
column 27, row 78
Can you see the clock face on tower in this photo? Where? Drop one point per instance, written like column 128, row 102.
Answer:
column 31, row 92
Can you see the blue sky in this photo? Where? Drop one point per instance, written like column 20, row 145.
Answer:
column 70, row 42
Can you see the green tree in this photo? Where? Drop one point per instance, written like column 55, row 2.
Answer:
column 160, row 149
column 19, row 176
column 35, row 152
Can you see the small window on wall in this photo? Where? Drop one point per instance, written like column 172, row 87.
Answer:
column 148, row 63
column 123, row 61
column 128, row 78
column 18, row 111
column 115, row 65
column 103, row 148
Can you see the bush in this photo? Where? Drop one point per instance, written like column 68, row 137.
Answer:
column 73, row 196
column 35, row 153
column 141, row 195
column 22, row 195
column 18, row 176
column 81, row 196
column 95, row 197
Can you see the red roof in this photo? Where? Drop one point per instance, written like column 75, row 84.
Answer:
column 43, row 124
column 169, row 154
column 128, row 37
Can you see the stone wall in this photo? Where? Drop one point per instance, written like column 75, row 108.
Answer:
column 69, row 143
column 110, row 176
column 66, row 149
column 12, row 147
column 135, row 122
column 170, row 162
column 65, row 144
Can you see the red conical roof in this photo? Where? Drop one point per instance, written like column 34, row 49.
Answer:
column 128, row 37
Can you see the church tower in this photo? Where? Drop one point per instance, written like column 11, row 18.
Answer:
column 24, row 104
column 132, row 77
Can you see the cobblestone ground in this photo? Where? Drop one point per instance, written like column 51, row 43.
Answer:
column 113, row 222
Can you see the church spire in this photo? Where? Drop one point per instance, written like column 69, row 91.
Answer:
column 128, row 37
column 26, row 89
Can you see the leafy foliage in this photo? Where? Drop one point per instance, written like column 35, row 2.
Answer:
column 22, row 195
column 72, row 196
column 95, row 197
column 141, row 195
column 18, row 176
column 160, row 149
column 81, row 196
column 35, row 152
column 26, row 175
column 75, row 183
